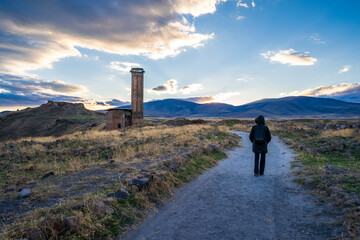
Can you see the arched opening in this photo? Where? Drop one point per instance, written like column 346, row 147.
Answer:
column 119, row 125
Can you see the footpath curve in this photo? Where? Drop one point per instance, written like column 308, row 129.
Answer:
column 228, row 202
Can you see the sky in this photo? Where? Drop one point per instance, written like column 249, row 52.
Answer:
column 230, row 51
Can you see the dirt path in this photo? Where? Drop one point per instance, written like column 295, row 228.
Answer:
column 228, row 202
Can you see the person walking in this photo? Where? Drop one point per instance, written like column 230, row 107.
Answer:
column 260, row 136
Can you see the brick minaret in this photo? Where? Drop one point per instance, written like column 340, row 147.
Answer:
column 137, row 95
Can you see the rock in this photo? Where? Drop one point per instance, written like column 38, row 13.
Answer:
column 36, row 234
column 51, row 227
column 114, row 195
column 32, row 168
column 47, row 175
column 72, row 223
column 134, row 189
column 25, row 193
column 148, row 178
column 9, row 190
column 112, row 161
column 172, row 164
column 139, row 182
column 101, row 208
column 98, row 225
column 206, row 150
column 78, row 205
column 124, row 191
column 214, row 147
column 121, row 194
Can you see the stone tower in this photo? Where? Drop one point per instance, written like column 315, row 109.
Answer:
column 137, row 95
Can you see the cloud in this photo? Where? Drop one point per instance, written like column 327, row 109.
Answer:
column 34, row 99
column 240, row 18
column 245, row 78
column 160, row 88
column 199, row 99
column 23, row 85
column 315, row 38
column 122, row 66
column 111, row 103
column 170, row 87
column 4, row 91
column 222, row 97
column 290, row 57
column 196, row 7
column 117, row 102
column 191, row 88
column 346, row 68
column 96, row 58
column 20, row 91
column 240, row 3
column 49, row 31
column 349, row 92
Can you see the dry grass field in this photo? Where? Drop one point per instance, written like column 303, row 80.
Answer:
column 88, row 193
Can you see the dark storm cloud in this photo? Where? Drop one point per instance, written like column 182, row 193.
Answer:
column 36, row 33
column 20, row 91
column 11, row 99
column 160, row 88
column 19, row 84
column 118, row 103
column 113, row 102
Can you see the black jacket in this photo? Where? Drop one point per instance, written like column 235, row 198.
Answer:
column 260, row 123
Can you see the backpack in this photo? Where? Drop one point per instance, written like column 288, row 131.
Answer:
column 259, row 138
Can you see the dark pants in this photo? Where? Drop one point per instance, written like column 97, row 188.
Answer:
column 262, row 163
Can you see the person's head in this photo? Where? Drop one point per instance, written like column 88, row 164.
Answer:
column 260, row 120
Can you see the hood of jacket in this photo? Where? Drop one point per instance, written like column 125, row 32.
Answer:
column 260, row 120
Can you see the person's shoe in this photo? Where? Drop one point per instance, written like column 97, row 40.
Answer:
column 261, row 174
column 256, row 174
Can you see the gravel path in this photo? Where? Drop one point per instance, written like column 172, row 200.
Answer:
column 228, row 202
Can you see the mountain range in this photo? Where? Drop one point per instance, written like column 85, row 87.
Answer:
column 287, row 107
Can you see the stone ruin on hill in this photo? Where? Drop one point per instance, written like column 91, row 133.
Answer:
column 117, row 119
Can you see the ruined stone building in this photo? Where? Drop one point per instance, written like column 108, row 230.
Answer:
column 121, row 118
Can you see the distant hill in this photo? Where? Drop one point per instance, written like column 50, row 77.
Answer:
column 50, row 119
column 5, row 112
column 58, row 118
column 288, row 107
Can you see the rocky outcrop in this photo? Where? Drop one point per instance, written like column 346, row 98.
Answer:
column 50, row 119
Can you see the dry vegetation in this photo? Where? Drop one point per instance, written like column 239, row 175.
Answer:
column 88, row 167
column 328, row 160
